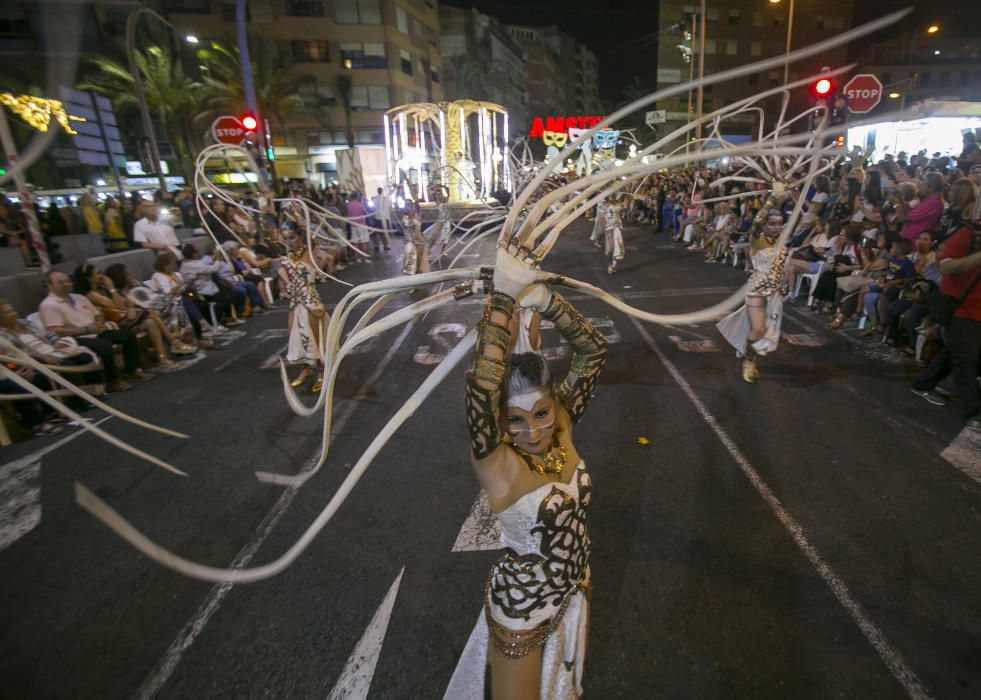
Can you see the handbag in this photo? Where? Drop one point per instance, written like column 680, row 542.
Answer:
column 942, row 306
column 807, row 254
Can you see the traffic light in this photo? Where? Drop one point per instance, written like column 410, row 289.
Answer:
column 249, row 122
column 822, row 88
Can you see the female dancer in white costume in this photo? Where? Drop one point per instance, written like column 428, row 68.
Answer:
column 299, row 276
column 613, row 235
column 415, row 251
column 754, row 328
column 599, row 224
column 530, row 637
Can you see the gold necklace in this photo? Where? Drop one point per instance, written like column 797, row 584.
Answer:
column 551, row 464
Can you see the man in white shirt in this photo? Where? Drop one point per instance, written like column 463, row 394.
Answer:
column 150, row 232
column 383, row 213
column 73, row 316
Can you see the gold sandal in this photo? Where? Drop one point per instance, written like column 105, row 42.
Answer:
column 302, row 378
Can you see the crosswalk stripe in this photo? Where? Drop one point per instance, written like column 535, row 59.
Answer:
column 481, row 530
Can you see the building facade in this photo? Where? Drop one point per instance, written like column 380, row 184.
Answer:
column 938, row 67
column 388, row 48
column 738, row 32
column 481, row 61
column 562, row 75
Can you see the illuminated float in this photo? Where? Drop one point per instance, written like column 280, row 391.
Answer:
column 457, row 148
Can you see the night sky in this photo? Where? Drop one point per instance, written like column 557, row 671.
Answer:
column 618, row 31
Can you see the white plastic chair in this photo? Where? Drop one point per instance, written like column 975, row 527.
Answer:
column 812, row 279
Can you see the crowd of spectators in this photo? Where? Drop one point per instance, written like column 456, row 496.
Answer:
column 892, row 245
column 127, row 328
column 880, row 242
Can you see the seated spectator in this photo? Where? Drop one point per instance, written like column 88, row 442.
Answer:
column 924, row 215
column 200, row 275
column 893, row 271
column 153, row 233
column 228, row 276
column 177, row 305
column 247, row 266
column 73, row 316
column 122, row 283
column 91, row 215
column 44, row 346
column 214, row 221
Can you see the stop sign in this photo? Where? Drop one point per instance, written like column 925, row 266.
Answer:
column 863, row 93
column 228, row 130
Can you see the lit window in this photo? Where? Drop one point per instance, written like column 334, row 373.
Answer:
column 363, row 55
column 709, row 46
column 310, row 51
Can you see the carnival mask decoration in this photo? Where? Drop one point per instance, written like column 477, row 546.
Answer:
column 606, row 138
column 555, row 138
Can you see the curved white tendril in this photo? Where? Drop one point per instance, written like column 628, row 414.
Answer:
column 768, row 165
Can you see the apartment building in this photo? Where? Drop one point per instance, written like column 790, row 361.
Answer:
column 738, row 32
column 482, row 61
column 389, row 48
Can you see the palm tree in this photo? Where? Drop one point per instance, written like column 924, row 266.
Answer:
column 344, row 85
column 634, row 90
column 174, row 98
column 276, row 98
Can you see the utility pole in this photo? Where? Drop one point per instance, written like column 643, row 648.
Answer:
column 701, row 70
column 134, row 70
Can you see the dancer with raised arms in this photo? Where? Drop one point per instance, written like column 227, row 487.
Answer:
column 530, row 637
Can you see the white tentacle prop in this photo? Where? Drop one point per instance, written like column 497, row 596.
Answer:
column 101, row 510
column 531, row 230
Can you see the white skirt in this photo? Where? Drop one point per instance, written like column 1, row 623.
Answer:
column 301, row 348
column 735, row 327
column 614, row 243
column 562, row 658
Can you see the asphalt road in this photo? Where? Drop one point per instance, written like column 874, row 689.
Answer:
column 799, row 537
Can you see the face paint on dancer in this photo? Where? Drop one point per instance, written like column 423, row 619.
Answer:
column 531, row 420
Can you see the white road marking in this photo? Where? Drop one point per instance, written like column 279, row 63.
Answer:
column 889, row 655
column 166, row 665
column 807, row 340
column 481, row 530
column 20, row 491
column 706, row 345
column 964, row 452
column 273, row 360
column 424, row 356
column 271, row 333
column 355, row 680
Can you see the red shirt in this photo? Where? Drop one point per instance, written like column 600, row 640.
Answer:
column 959, row 246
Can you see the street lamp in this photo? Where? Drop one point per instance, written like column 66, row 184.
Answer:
column 790, row 31
column 932, row 29
column 894, row 95
column 191, row 39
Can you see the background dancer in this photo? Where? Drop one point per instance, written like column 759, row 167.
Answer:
column 307, row 317
column 613, row 235
column 754, row 328
column 531, row 633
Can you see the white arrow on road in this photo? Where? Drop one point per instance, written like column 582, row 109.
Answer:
column 481, row 530
column 705, row 345
column 356, row 677
column 20, row 492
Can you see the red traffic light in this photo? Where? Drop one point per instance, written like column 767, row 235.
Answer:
column 249, row 122
column 822, row 87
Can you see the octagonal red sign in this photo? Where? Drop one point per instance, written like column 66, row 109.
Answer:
column 863, row 93
column 228, row 130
